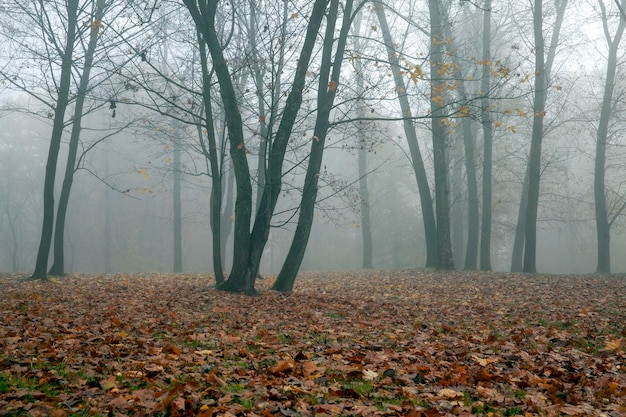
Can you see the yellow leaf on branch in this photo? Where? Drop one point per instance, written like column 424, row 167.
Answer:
column 143, row 173
column 96, row 25
column 438, row 100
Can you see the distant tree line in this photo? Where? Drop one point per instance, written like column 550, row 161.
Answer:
column 258, row 91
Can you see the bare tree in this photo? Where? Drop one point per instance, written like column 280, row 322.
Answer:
column 438, row 11
column 604, row 220
column 248, row 245
column 485, row 232
column 328, row 83
column 468, row 133
column 543, row 67
column 364, row 199
column 56, row 46
column 428, row 213
column 58, row 25
column 58, row 266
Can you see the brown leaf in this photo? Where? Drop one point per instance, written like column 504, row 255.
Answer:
column 179, row 404
column 171, row 348
column 153, row 370
column 213, row 379
column 283, row 366
column 309, row 369
column 501, row 338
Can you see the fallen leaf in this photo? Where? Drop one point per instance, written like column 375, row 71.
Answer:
column 449, row 393
column 369, row 375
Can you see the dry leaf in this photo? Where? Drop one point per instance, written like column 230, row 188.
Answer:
column 149, row 344
column 369, row 375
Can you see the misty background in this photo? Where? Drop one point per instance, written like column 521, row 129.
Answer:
column 121, row 212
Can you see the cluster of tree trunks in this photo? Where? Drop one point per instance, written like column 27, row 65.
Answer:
column 252, row 218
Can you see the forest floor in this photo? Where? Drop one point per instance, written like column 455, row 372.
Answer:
column 377, row 343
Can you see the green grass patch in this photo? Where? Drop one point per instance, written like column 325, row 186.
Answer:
column 513, row 411
column 336, row 315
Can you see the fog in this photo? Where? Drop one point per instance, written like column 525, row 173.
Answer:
column 128, row 176
column 121, row 213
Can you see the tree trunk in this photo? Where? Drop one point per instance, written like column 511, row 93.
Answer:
column 366, row 222
column 248, row 246
column 55, row 143
column 266, row 120
column 517, row 257
column 178, row 221
column 603, row 228
column 327, row 89
column 58, row 265
column 227, row 212
column 107, row 214
column 211, row 153
column 258, row 72
column 485, row 233
column 543, row 68
column 442, row 186
column 534, row 162
column 234, row 124
column 457, row 208
column 426, row 202
column 469, row 145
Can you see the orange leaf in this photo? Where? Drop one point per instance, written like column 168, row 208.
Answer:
column 332, row 85
column 215, row 380
column 308, row 369
column 205, row 411
column 613, row 345
column 172, row 349
column 283, row 366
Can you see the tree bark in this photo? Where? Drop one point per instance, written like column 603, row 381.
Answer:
column 243, row 205
column 258, row 72
column 426, row 201
column 469, row 145
column 603, row 227
column 530, row 189
column 58, row 126
column 534, row 162
column 485, row 232
column 248, row 246
column 211, row 153
column 364, row 203
column 58, row 265
column 107, row 214
column 266, row 120
column 228, row 211
column 177, row 203
column 366, row 221
column 327, row 89
column 442, row 186
column 458, row 196
column 517, row 257
column 543, row 68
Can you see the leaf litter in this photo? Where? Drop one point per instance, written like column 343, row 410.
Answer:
column 376, row 343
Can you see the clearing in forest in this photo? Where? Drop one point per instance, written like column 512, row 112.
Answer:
column 360, row 343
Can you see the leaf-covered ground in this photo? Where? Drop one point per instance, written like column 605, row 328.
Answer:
column 376, row 343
